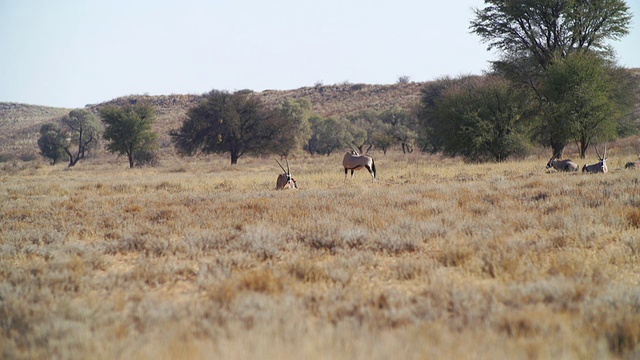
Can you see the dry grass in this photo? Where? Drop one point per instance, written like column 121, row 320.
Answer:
column 436, row 259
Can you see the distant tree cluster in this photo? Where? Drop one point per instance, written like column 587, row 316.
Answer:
column 126, row 129
column 73, row 137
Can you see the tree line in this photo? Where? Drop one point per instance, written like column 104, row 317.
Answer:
column 555, row 83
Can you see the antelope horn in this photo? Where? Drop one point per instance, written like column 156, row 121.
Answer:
column 287, row 160
column 598, row 153
column 354, row 149
column 285, row 171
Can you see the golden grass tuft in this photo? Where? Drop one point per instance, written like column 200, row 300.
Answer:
column 435, row 259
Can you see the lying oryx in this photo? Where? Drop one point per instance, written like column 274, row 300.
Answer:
column 285, row 181
column 562, row 165
column 355, row 161
column 633, row 164
column 599, row 167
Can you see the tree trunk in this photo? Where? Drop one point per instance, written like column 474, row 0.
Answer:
column 583, row 150
column 558, row 148
column 72, row 162
column 234, row 158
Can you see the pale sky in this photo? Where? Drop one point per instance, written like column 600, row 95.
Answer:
column 69, row 53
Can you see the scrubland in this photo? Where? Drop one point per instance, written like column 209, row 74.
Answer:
column 436, row 259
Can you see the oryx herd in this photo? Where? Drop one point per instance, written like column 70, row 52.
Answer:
column 599, row 167
column 352, row 160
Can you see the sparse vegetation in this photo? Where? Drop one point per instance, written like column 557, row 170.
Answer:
column 436, row 259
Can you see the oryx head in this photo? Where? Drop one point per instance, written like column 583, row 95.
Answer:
column 603, row 159
column 285, row 180
column 551, row 161
column 601, row 166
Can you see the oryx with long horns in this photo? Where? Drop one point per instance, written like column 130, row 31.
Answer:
column 285, row 180
column 562, row 165
column 599, row 167
column 355, row 161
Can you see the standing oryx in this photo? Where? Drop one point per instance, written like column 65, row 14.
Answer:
column 599, row 167
column 562, row 165
column 355, row 161
column 285, row 181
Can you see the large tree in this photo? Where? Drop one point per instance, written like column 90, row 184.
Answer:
column 480, row 118
column 547, row 29
column 235, row 123
column 580, row 91
column 129, row 131
column 298, row 113
column 532, row 35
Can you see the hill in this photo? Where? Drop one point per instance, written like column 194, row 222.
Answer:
column 19, row 123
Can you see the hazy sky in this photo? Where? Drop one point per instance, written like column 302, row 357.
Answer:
column 69, row 53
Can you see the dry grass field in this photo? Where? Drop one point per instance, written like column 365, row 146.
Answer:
column 197, row 259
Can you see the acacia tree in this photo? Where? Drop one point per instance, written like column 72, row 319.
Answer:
column 78, row 134
column 238, row 124
column 369, row 124
column 51, row 142
column 129, row 131
column 298, row 113
column 581, row 93
column 547, row 29
column 532, row 35
column 480, row 118
column 331, row 133
column 402, row 126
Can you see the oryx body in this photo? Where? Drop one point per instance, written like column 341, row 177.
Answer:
column 599, row 167
column 355, row 161
column 285, row 180
column 633, row 164
column 563, row 165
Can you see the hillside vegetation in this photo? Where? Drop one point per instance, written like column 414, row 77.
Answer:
column 19, row 123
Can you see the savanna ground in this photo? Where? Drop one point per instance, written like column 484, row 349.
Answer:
column 436, row 259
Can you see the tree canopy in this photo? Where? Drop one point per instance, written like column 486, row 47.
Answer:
column 237, row 123
column 548, row 29
column 479, row 118
column 129, row 131
column 580, row 91
column 51, row 142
